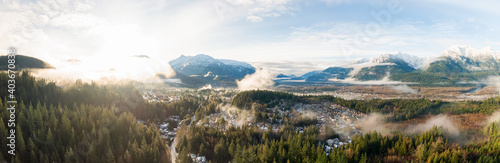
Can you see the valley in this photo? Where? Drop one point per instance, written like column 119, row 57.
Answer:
column 249, row 81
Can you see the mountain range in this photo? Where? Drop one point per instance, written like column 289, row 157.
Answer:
column 454, row 65
column 209, row 70
column 457, row 64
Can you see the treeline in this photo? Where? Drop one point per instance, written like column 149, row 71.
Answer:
column 250, row 145
column 186, row 107
column 398, row 109
column 487, row 106
column 82, row 122
column 246, row 99
column 83, row 134
column 30, row 90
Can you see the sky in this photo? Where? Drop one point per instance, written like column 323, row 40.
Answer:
column 288, row 36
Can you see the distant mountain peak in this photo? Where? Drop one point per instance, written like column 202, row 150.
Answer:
column 361, row 60
column 458, row 52
column 415, row 62
column 203, row 56
column 210, row 68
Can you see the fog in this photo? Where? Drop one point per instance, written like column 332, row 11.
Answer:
column 358, row 67
column 404, row 89
column 438, row 121
column 243, row 116
column 309, row 114
column 261, row 79
column 428, row 62
column 495, row 117
column 492, row 81
column 384, row 81
column 104, row 70
column 373, row 122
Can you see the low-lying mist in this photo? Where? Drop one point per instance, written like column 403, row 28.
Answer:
column 495, row 117
column 404, row 89
column 104, row 70
column 261, row 79
column 378, row 122
column 373, row 122
column 440, row 120
column 242, row 115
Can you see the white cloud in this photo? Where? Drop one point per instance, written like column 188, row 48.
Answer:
column 489, row 6
column 254, row 18
column 261, row 79
column 257, row 10
column 334, row 2
column 297, row 67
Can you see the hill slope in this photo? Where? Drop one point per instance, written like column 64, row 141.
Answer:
column 24, row 62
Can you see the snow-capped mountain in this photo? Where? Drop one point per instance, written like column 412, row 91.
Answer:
column 362, row 60
column 415, row 62
column 455, row 60
column 455, row 64
column 236, row 63
column 382, row 65
column 463, row 58
column 208, row 68
column 459, row 52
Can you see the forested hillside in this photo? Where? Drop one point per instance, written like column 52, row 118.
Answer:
column 88, row 122
column 78, row 123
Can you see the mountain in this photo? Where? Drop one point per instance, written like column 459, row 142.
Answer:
column 283, row 76
column 387, row 64
column 25, row 62
column 209, row 69
column 370, row 68
column 330, row 73
column 465, row 59
column 404, row 59
column 455, row 64
column 307, row 75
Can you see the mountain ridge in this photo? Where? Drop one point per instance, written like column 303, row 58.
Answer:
column 211, row 70
column 457, row 63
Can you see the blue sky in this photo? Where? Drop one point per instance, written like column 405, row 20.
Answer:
column 309, row 34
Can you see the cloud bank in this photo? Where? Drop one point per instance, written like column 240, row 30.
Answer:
column 438, row 121
column 261, row 79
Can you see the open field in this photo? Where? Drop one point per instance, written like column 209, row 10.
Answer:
column 398, row 91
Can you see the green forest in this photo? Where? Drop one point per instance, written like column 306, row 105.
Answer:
column 89, row 122
column 83, row 122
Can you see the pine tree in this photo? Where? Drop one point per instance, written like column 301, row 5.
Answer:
column 3, row 132
column 183, row 156
column 31, row 147
column 232, row 148
column 20, row 145
column 69, row 156
column 110, row 157
column 127, row 157
column 363, row 159
column 201, row 151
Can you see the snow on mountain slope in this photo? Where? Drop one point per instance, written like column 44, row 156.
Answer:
column 236, row 63
column 211, row 68
column 362, row 60
column 414, row 61
column 458, row 52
